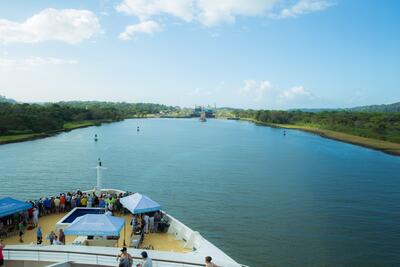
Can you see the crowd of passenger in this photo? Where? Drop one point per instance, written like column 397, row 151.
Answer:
column 141, row 223
column 151, row 222
column 17, row 223
column 68, row 201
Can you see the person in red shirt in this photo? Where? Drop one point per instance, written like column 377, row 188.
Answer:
column 62, row 203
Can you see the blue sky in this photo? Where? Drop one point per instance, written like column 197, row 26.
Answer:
column 271, row 54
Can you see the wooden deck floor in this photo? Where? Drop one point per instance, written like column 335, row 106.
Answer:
column 160, row 241
column 47, row 223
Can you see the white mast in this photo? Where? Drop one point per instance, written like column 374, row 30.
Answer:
column 99, row 168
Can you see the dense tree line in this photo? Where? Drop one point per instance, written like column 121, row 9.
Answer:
column 124, row 109
column 384, row 126
column 36, row 118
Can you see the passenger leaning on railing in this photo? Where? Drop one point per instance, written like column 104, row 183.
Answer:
column 56, row 204
column 125, row 259
column 68, row 198
column 62, row 203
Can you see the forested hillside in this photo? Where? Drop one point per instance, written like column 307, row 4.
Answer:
column 38, row 118
column 125, row 110
column 383, row 126
column 3, row 99
column 395, row 107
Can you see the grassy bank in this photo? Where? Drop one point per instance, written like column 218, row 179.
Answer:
column 81, row 124
column 6, row 139
column 384, row 146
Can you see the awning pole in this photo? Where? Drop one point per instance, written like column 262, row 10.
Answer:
column 124, row 233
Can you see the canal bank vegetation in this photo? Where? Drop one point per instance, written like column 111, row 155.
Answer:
column 374, row 130
column 123, row 109
column 20, row 122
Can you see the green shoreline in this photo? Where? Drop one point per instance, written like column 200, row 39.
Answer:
column 16, row 138
column 380, row 145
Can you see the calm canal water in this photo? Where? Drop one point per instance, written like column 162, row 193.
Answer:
column 263, row 198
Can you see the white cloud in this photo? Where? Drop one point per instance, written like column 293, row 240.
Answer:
column 66, row 25
column 24, row 64
column 304, row 7
column 213, row 12
column 248, row 87
column 263, row 88
column 7, row 63
column 266, row 95
column 37, row 61
column 148, row 27
column 199, row 92
column 294, row 93
column 145, row 9
column 255, row 90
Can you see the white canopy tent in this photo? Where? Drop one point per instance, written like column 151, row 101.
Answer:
column 138, row 203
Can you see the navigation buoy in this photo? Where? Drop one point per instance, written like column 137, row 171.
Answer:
column 95, row 138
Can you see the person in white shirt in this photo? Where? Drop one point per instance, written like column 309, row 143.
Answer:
column 147, row 262
column 108, row 213
column 133, row 223
column 36, row 216
column 57, row 204
column 151, row 222
column 146, row 223
column 56, row 241
column 89, row 201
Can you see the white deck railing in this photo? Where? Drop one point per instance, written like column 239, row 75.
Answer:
column 51, row 256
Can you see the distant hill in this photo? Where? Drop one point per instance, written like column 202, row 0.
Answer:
column 395, row 107
column 316, row 110
column 3, row 99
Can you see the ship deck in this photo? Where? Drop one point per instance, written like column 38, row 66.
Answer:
column 159, row 241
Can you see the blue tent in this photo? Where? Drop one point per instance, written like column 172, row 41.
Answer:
column 138, row 203
column 10, row 205
column 95, row 225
